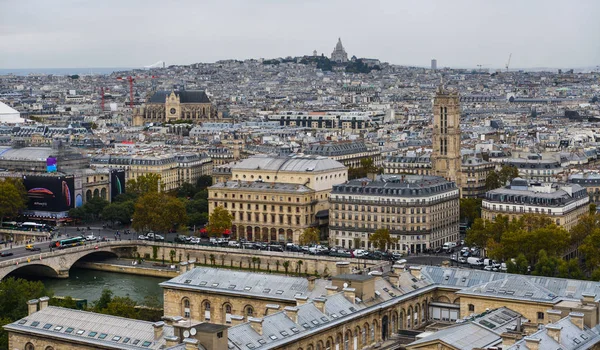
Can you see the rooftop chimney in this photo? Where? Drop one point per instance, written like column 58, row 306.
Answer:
column 350, row 294
column 311, row 282
column 416, row 271
column 272, row 308
column 554, row 315
column 588, row 298
column 532, row 343
column 577, row 319
column 331, row 290
column 171, row 341
column 256, row 324
column 190, row 344
column 158, row 330
column 32, row 306
column 320, row 304
column 236, row 319
column 301, row 300
column 291, row 312
column 554, row 332
column 342, row 267
column 44, row 302
column 394, row 279
column 509, row 339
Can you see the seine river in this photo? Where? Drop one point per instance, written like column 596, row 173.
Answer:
column 88, row 284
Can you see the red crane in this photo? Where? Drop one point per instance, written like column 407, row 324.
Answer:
column 102, row 101
column 130, row 80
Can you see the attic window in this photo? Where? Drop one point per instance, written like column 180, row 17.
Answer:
column 116, row 338
column 279, row 292
column 215, row 284
column 69, row 330
column 146, row 344
column 324, row 319
column 343, row 312
column 187, row 281
column 203, row 283
column 58, row 328
column 262, row 341
column 273, row 337
column 22, row 321
column 247, row 288
column 267, row 290
column 47, row 326
column 250, row 346
column 284, row 333
column 315, row 322
column 296, row 330
column 80, row 332
column 232, row 286
column 34, row 324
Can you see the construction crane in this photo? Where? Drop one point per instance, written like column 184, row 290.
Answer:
column 130, row 80
column 102, row 100
column 508, row 62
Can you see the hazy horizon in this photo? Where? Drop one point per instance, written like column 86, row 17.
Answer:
column 38, row 34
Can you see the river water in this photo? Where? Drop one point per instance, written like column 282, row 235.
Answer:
column 88, row 284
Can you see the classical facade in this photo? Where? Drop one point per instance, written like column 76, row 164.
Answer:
column 274, row 198
column 420, row 211
column 446, row 157
column 589, row 181
column 339, row 55
column 325, row 120
column 563, row 203
column 169, row 106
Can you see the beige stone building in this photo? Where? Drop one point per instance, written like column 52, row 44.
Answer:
column 420, row 211
column 174, row 169
column 274, row 198
column 563, row 203
column 169, row 106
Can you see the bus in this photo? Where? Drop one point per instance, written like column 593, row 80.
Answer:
column 68, row 242
column 32, row 226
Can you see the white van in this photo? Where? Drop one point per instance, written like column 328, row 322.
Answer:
column 474, row 261
column 449, row 245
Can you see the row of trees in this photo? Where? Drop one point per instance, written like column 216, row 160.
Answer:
column 539, row 246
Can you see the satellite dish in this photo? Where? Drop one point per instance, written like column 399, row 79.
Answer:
column 345, row 285
column 193, row 331
column 186, row 334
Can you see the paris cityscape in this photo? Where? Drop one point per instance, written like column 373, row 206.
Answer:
column 326, row 175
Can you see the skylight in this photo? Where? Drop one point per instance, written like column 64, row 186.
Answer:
column 102, row 336
column 34, row 324
column 135, row 342
column 80, row 332
column 69, row 330
column 273, row 336
column 187, row 281
column 215, row 284
column 126, row 340
column 146, row 344
column 92, row 334
column 116, row 338
column 22, row 321
column 58, row 328
column 47, row 326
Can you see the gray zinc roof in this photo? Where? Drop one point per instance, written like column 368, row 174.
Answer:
column 293, row 163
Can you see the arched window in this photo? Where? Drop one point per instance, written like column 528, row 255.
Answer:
column 29, row 346
column 249, row 311
column 49, row 348
column 206, row 309
column 186, row 308
column 228, row 308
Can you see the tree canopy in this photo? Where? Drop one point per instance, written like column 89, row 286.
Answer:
column 219, row 221
column 13, row 198
column 144, row 184
column 158, row 212
column 310, row 236
column 382, row 239
column 470, row 209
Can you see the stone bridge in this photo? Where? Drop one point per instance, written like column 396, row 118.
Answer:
column 58, row 263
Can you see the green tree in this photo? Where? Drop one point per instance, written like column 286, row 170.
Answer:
column 122, row 307
column 570, row 269
column 584, row 227
column 593, row 208
column 219, row 221
column 545, row 266
column 519, row 266
column 507, row 174
column 144, row 184
column 492, row 181
column 204, row 181
column 172, row 255
column 158, row 212
column 95, row 206
column 79, row 213
column 13, row 198
column 212, row 259
column 277, row 263
column 103, row 301
column 590, row 249
column 286, row 266
column 119, row 212
column 382, row 239
column 310, row 236
column 66, row 302
column 299, row 266
column 470, row 209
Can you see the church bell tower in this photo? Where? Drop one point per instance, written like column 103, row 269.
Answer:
column 446, row 157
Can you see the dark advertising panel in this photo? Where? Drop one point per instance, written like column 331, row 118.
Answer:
column 117, row 183
column 49, row 193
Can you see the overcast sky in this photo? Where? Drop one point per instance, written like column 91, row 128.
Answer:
column 132, row 33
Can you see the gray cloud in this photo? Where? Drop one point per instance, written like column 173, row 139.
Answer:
column 131, row 33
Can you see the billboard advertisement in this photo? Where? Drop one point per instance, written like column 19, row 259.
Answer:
column 50, row 193
column 51, row 164
column 117, row 183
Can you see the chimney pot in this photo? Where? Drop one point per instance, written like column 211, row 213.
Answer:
column 532, row 343
column 577, row 319
column 190, row 344
column 301, row 300
column 311, row 282
column 291, row 312
column 416, row 271
column 171, row 341
column 272, row 308
column 44, row 302
column 256, row 324
column 342, row 267
column 236, row 319
column 350, row 294
column 554, row 315
column 331, row 290
column 554, row 332
column 32, row 306
column 320, row 304
column 158, row 329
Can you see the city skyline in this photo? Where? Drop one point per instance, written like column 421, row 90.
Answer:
column 458, row 34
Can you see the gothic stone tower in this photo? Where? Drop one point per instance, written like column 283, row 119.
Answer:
column 446, row 158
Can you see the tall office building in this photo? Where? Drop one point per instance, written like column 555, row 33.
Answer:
column 445, row 158
column 434, row 64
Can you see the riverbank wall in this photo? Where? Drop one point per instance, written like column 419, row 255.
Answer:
column 126, row 269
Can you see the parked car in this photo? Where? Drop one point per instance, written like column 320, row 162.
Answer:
column 3, row 254
column 91, row 237
column 142, row 237
column 275, row 247
column 462, row 260
column 182, row 239
column 234, row 244
column 475, row 261
column 195, row 240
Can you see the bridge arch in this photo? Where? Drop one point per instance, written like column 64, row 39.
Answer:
column 33, row 269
